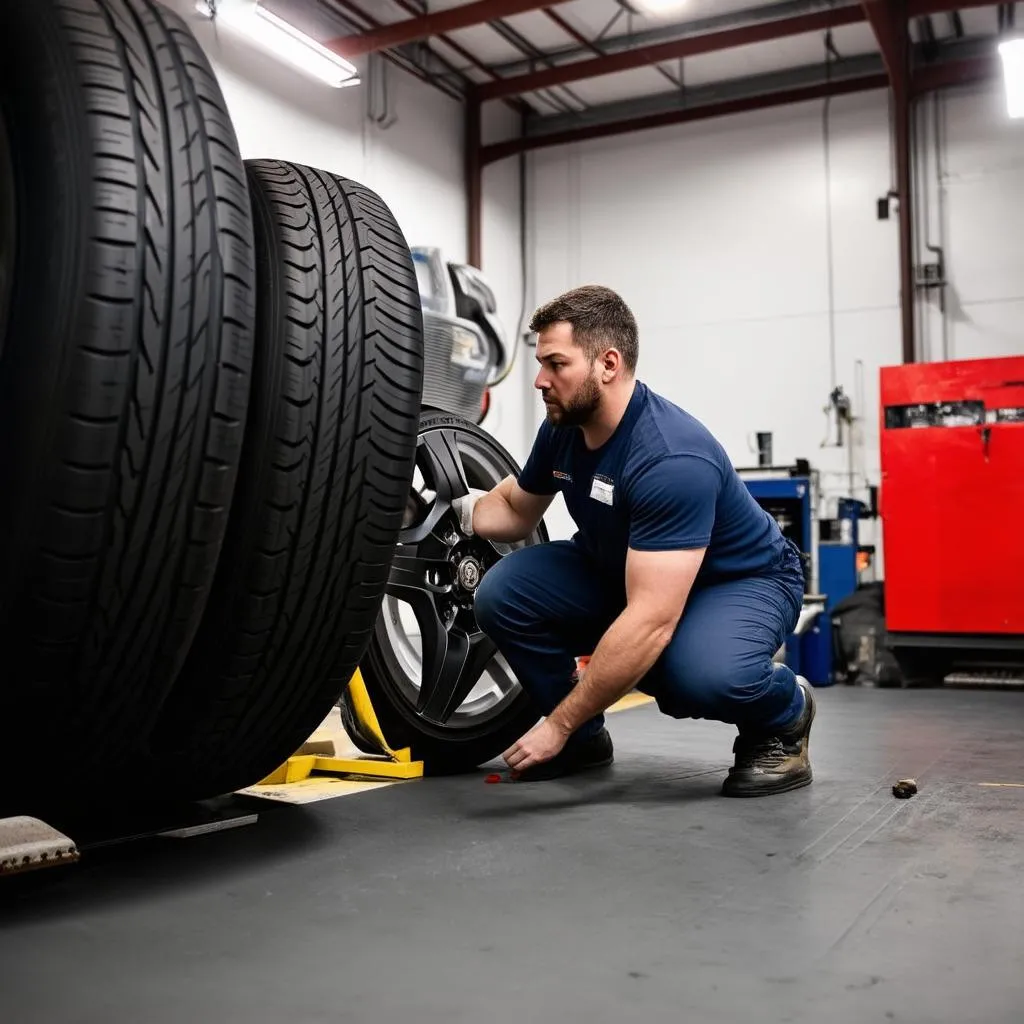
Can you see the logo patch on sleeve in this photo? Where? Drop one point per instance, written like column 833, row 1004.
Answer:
column 559, row 475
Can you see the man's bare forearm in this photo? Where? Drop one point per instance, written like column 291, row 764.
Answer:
column 627, row 651
column 495, row 519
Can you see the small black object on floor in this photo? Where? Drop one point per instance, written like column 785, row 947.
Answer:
column 636, row 891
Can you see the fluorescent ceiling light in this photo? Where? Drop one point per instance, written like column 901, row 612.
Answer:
column 283, row 40
column 1012, row 52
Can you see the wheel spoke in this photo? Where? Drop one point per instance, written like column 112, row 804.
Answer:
column 416, row 509
column 444, row 461
column 444, row 470
column 433, row 632
column 412, row 572
column 451, row 672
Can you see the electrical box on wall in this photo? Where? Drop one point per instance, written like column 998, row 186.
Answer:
column 888, row 205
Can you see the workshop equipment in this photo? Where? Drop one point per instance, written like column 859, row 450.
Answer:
column 830, row 549
column 789, row 494
column 839, row 549
column 952, row 504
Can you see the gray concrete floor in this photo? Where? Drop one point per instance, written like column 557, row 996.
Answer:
column 638, row 892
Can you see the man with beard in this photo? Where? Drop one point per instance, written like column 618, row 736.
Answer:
column 677, row 582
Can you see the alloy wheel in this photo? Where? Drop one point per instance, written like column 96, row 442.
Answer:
column 445, row 669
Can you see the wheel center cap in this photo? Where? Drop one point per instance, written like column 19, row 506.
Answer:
column 469, row 574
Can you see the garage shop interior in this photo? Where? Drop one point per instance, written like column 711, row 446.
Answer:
column 455, row 458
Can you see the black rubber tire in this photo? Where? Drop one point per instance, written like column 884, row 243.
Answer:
column 125, row 374
column 443, row 751
column 327, row 467
column 8, row 230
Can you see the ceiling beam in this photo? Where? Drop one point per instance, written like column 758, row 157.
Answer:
column 686, row 47
column 918, row 8
column 952, row 71
column 664, row 33
column 480, row 12
column 888, row 20
column 518, row 105
column 453, row 84
column 955, row 72
column 781, row 97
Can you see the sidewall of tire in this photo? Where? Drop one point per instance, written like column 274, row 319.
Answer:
column 8, row 230
column 49, row 180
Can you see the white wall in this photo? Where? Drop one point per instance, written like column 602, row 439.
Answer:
column 511, row 417
column 415, row 163
column 716, row 234
column 972, row 203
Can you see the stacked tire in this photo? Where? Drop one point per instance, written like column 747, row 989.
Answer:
column 210, row 384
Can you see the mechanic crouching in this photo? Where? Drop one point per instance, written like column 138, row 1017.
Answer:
column 677, row 583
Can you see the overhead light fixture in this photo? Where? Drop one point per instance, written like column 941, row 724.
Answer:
column 282, row 40
column 1012, row 52
column 658, row 6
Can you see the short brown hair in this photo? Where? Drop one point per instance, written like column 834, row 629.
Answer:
column 599, row 318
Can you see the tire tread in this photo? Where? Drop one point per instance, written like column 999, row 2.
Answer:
column 310, row 544
column 152, row 370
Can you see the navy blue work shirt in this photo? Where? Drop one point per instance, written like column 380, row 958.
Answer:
column 661, row 482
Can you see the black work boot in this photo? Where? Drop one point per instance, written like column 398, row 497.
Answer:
column 580, row 756
column 773, row 764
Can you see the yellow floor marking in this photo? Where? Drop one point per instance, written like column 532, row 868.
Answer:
column 631, row 700
column 1003, row 785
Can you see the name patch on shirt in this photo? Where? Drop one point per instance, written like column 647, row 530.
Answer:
column 603, row 490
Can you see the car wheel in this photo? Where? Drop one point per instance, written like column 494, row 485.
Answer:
column 436, row 682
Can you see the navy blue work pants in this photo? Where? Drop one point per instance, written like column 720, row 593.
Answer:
column 548, row 604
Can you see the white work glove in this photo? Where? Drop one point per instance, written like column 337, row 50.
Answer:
column 463, row 508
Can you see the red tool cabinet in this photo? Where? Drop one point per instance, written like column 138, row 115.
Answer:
column 952, row 500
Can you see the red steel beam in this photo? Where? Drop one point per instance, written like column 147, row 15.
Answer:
column 888, row 19
column 889, row 23
column 883, row 20
column 799, row 94
column 354, row 8
column 412, row 29
column 516, row 105
column 958, row 72
column 925, row 80
column 590, row 45
column 643, row 56
column 919, row 8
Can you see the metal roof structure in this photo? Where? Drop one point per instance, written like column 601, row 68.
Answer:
column 584, row 69
column 581, row 65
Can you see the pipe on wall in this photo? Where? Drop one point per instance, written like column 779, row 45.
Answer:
column 908, row 294
column 474, row 182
